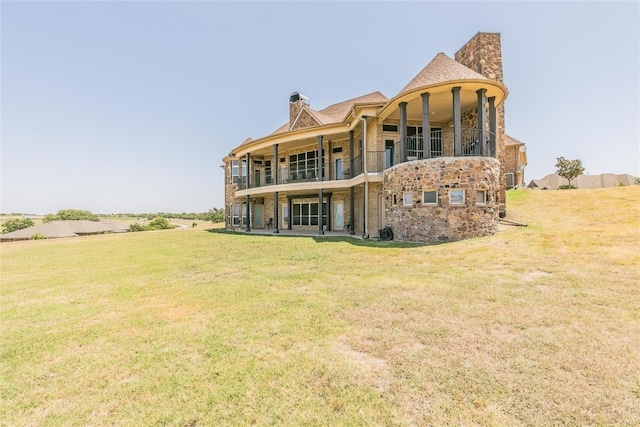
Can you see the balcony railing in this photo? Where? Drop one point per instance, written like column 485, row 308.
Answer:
column 378, row 161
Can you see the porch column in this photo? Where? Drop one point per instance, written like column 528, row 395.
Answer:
column 402, row 107
column 319, row 178
column 290, row 213
column 274, row 176
column 329, row 213
column 426, row 127
column 492, row 126
column 248, row 214
column 248, row 160
column 275, row 213
column 352, row 198
column 482, row 120
column 457, row 122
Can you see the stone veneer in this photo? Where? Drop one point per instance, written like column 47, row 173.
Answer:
column 483, row 54
column 442, row 222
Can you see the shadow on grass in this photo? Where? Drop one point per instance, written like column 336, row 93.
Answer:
column 371, row 243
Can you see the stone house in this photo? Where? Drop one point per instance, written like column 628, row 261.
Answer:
column 428, row 163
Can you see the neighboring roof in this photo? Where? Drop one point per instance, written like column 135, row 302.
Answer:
column 508, row 140
column 554, row 181
column 55, row 229
column 337, row 112
column 441, row 69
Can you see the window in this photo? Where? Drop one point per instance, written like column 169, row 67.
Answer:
column 430, row 197
column 338, row 171
column 234, row 172
column 481, row 197
column 394, row 201
column 235, row 215
column 307, row 214
column 285, row 214
column 456, row 197
column 302, row 166
column 267, row 171
column 389, row 128
column 407, row 199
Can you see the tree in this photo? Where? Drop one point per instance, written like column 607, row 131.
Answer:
column 569, row 169
column 71, row 214
column 16, row 224
column 159, row 223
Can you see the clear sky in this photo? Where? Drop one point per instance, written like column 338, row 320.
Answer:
column 130, row 106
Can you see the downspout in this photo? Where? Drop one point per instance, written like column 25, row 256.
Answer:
column 365, row 168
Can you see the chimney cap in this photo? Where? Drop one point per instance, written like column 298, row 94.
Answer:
column 296, row 96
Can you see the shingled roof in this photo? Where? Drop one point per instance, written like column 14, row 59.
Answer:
column 55, row 229
column 337, row 112
column 441, row 69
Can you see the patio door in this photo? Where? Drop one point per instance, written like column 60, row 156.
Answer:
column 338, row 216
column 258, row 216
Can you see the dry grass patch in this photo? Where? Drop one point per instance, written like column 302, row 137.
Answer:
column 531, row 326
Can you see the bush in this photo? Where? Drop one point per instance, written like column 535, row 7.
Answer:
column 159, row 223
column 38, row 236
column 567, row 187
column 16, row 224
column 137, row 227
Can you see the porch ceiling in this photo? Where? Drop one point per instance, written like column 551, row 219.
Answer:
column 440, row 106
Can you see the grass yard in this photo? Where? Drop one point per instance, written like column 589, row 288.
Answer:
column 533, row 326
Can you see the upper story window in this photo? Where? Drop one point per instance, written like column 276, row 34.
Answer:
column 303, row 165
column 234, row 172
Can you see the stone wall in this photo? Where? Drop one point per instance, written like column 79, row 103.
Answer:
column 483, row 54
column 420, row 222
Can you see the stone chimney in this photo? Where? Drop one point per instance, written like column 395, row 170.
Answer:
column 483, row 54
column 296, row 102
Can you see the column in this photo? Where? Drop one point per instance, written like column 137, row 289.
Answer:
column 289, row 212
column 352, row 198
column 402, row 107
column 426, row 127
column 482, row 120
column 492, row 126
column 248, row 157
column 319, row 178
column 457, row 122
column 329, row 212
column 248, row 212
column 275, row 166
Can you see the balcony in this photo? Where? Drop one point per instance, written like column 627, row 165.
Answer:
column 442, row 144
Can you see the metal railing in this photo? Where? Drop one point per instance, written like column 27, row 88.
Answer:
column 377, row 161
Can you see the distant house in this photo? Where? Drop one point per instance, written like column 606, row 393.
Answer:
column 553, row 181
column 515, row 159
column 56, row 229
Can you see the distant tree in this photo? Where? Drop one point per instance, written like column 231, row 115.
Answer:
column 71, row 214
column 569, row 169
column 137, row 227
column 159, row 223
column 16, row 224
column 215, row 215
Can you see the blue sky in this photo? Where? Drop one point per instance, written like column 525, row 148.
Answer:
column 130, row 106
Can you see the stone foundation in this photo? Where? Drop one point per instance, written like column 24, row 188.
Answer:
column 442, row 221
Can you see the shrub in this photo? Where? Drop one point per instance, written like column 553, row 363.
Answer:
column 567, row 187
column 159, row 223
column 16, row 224
column 38, row 236
column 137, row 227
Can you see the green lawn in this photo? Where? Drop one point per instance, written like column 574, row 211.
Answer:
column 532, row 326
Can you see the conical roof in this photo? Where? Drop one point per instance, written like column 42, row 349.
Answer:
column 441, row 69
